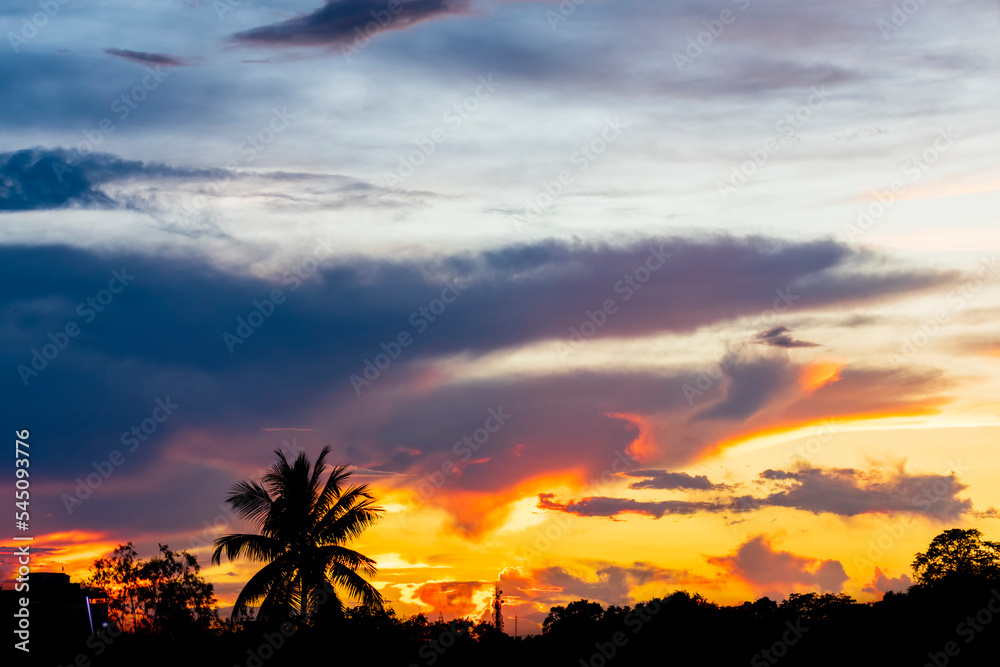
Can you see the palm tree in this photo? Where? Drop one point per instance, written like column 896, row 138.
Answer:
column 302, row 527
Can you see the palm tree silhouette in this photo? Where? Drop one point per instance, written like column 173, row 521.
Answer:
column 302, row 528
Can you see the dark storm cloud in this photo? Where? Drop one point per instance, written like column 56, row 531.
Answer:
column 33, row 179
column 142, row 58
column 38, row 178
column 163, row 336
column 661, row 479
column 345, row 21
column 779, row 337
column 509, row 300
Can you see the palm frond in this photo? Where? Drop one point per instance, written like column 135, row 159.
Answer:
column 269, row 584
column 352, row 514
column 317, row 472
column 333, row 489
column 335, row 554
column 250, row 500
column 357, row 587
column 258, row 548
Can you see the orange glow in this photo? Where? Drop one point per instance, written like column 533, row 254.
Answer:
column 454, row 599
column 781, row 429
column 477, row 512
column 643, row 448
column 73, row 552
column 819, row 374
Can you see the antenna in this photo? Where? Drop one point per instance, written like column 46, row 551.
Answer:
column 515, row 626
column 497, row 608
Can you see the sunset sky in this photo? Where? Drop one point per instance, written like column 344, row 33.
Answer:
column 603, row 298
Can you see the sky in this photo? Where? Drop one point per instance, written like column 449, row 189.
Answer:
column 603, row 299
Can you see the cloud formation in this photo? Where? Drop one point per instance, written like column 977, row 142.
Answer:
column 455, row 598
column 143, row 58
column 612, row 507
column 39, row 178
column 843, row 491
column 849, row 492
column 882, row 584
column 779, row 337
column 661, row 479
column 765, row 568
column 752, row 383
column 295, row 368
column 341, row 22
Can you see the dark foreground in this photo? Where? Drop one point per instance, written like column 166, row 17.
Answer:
column 957, row 626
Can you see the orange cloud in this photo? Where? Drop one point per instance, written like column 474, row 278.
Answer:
column 817, row 375
column 847, row 396
column 751, row 434
column 455, row 599
column 474, row 513
column 643, row 448
column 72, row 552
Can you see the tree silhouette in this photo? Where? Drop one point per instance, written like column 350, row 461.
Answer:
column 957, row 554
column 176, row 599
column 815, row 607
column 118, row 580
column 303, row 526
column 581, row 616
column 164, row 595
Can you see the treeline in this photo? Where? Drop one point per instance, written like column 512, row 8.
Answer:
column 955, row 625
column 950, row 616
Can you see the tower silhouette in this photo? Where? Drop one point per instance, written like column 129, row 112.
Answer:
column 497, row 608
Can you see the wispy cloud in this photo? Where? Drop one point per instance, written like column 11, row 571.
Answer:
column 779, row 337
column 162, row 59
column 343, row 21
